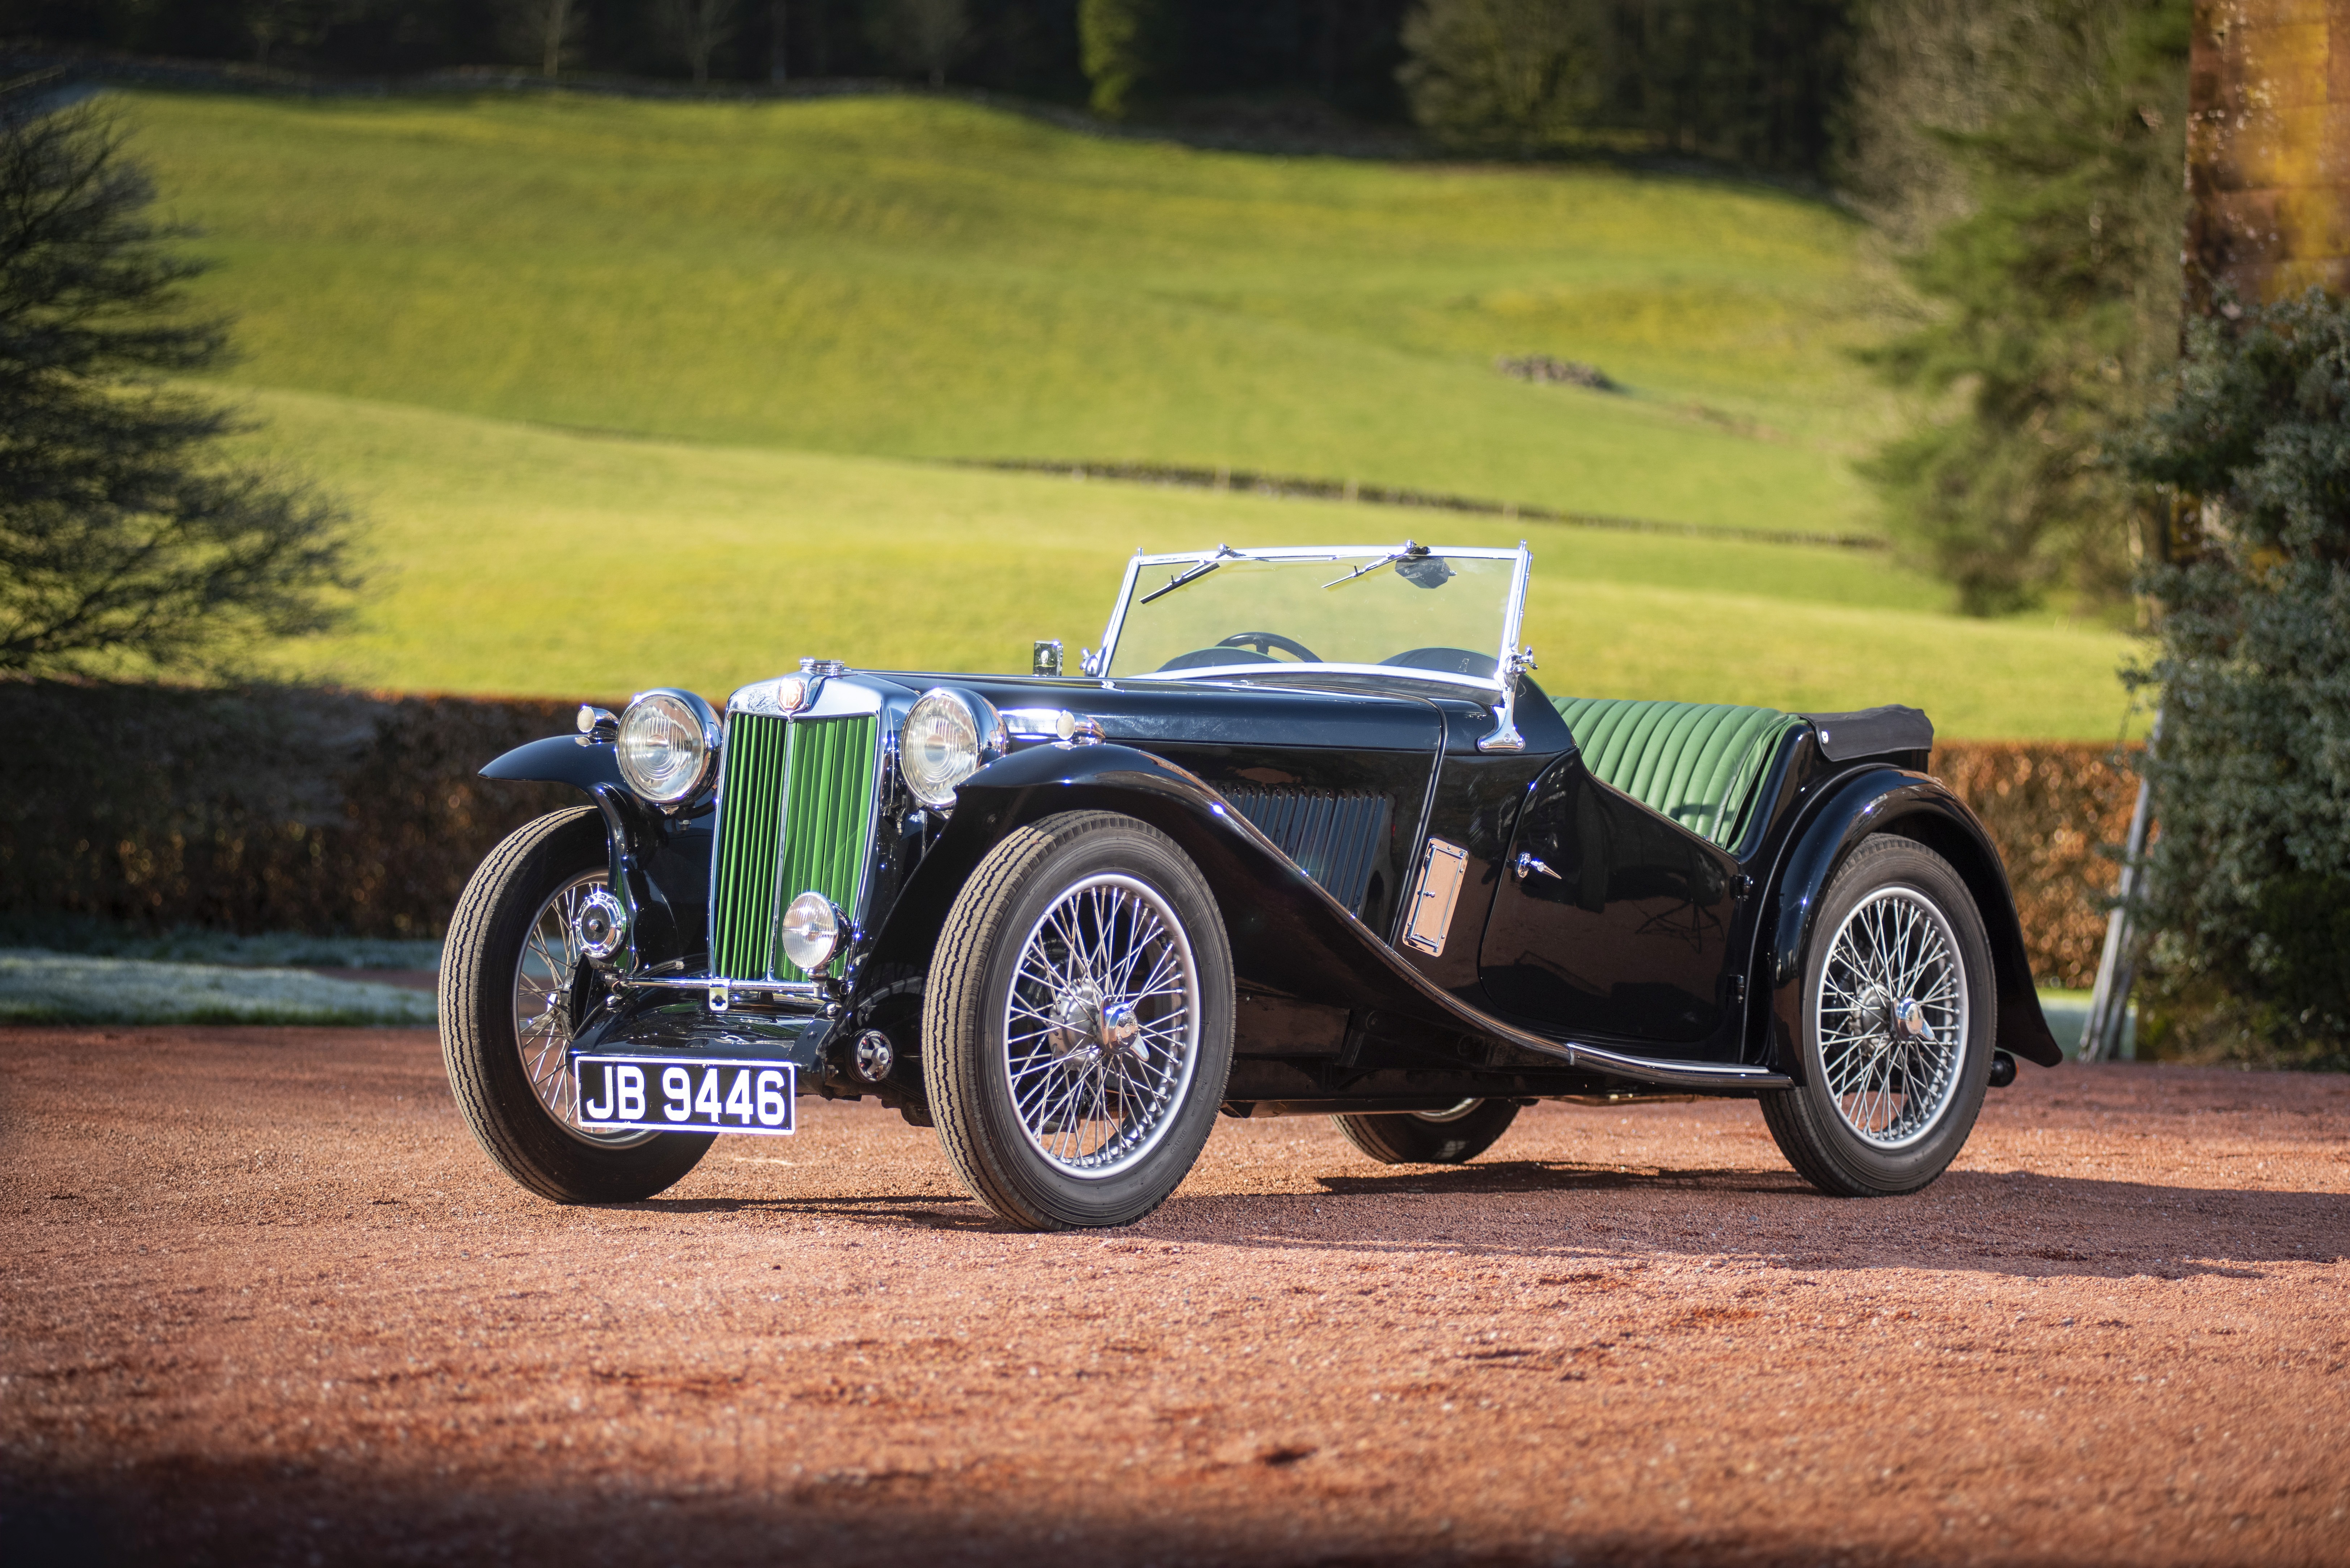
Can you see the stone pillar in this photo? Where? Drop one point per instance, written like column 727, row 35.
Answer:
column 2268, row 149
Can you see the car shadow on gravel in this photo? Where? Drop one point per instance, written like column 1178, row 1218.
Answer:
column 1529, row 1176
column 2047, row 1225
column 890, row 1210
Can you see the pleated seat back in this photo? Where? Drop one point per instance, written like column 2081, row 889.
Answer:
column 1696, row 762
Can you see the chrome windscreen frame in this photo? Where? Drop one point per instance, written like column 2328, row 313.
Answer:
column 1511, row 661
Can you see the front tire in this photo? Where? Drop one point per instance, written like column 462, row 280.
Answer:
column 506, row 983
column 1452, row 1137
column 1077, row 1022
column 1899, row 1019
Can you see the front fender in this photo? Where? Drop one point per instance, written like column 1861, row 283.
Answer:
column 573, row 760
column 1889, row 800
column 648, row 857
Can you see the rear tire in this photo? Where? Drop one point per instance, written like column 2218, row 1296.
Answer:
column 1886, row 1096
column 510, row 1074
column 1443, row 1137
column 1077, row 1022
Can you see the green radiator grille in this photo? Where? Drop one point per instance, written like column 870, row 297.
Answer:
column 795, row 814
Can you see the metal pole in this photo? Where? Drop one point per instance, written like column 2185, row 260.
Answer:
column 2101, row 1034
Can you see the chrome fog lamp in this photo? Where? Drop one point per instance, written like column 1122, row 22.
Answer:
column 948, row 735
column 811, row 931
column 668, row 742
column 601, row 926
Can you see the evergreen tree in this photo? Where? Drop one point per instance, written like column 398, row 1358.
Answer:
column 127, row 544
column 2055, row 313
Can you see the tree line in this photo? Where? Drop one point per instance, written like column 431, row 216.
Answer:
column 1749, row 81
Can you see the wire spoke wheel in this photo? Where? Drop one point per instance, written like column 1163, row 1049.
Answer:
column 1447, row 1135
column 510, row 978
column 542, row 1008
column 1892, row 1015
column 1101, row 1025
column 1077, row 1022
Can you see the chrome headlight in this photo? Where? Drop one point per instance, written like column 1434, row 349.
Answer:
column 811, row 931
column 948, row 735
column 668, row 742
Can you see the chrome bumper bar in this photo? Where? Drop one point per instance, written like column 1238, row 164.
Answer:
column 815, row 995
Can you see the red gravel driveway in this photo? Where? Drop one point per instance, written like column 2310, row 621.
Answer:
column 265, row 1303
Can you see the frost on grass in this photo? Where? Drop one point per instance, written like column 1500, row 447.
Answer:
column 40, row 987
column 58, row 933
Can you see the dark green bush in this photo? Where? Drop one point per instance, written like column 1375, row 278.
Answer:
column 2249, row 882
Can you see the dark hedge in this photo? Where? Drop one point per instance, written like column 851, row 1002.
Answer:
column 255, row 809
column 2055, row 810
column 332, row 812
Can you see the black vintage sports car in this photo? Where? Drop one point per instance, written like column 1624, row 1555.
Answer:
column 1304, row 837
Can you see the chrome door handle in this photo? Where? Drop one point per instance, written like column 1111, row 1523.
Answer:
column 1527, row 866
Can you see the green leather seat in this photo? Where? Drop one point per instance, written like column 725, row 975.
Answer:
column 1698, row 762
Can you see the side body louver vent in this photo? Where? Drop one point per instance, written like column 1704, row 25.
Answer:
column 1335, row 837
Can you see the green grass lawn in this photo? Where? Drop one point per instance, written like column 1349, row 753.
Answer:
column 520, row 559
column 904, row 276
column 652, row 393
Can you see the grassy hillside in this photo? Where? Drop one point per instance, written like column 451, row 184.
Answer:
column 915, row 278
column 527, row 560
column 641, row 393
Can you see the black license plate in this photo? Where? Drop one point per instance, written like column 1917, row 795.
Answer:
column 663, row 1093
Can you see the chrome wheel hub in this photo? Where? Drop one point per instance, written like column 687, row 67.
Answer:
column 1892, row 1009
column 1101, row 1025
column 1076, row 1015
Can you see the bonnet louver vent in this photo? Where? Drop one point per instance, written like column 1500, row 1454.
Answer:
column 1334, row 837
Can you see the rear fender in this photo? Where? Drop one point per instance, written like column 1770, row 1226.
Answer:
column 1888, row 800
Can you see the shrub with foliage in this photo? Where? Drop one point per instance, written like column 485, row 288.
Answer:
column 2249, row 883
column 1128, row 48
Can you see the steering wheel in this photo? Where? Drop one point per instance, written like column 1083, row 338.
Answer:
column 1450, row 660
column 1264, row 642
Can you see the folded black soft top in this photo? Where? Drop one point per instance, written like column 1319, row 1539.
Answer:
column 1872, row 731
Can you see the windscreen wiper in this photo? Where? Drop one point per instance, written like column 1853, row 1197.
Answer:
column 1223, row 553
column 1410, row 552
